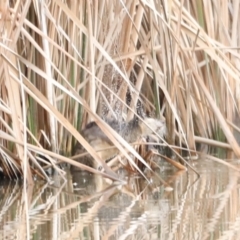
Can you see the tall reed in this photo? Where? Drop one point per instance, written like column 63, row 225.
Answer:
column 64, row 63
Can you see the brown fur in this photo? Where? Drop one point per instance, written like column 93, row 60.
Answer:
column 131, row 131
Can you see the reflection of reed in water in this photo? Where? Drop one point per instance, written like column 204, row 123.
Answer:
column 131, row 131
column 108, row 211
column 139, row 210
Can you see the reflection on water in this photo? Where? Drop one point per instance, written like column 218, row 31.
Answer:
column 204, row 208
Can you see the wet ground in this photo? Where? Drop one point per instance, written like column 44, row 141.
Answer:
column 88, row 207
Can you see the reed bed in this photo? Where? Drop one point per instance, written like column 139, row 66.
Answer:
column 65, row 63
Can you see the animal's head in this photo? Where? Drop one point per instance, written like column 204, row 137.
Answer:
column 153, row 126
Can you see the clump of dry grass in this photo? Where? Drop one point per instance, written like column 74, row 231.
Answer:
column 64, row 64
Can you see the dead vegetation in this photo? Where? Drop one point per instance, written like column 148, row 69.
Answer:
column 64, row 64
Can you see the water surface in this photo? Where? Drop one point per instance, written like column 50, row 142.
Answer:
column 197, row 208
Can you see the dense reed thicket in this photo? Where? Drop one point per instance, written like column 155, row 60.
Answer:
column 64, row 63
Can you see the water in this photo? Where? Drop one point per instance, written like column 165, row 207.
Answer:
column 197, row 208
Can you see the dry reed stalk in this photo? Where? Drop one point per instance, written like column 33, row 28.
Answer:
column 180, row 59
column 13, row 88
